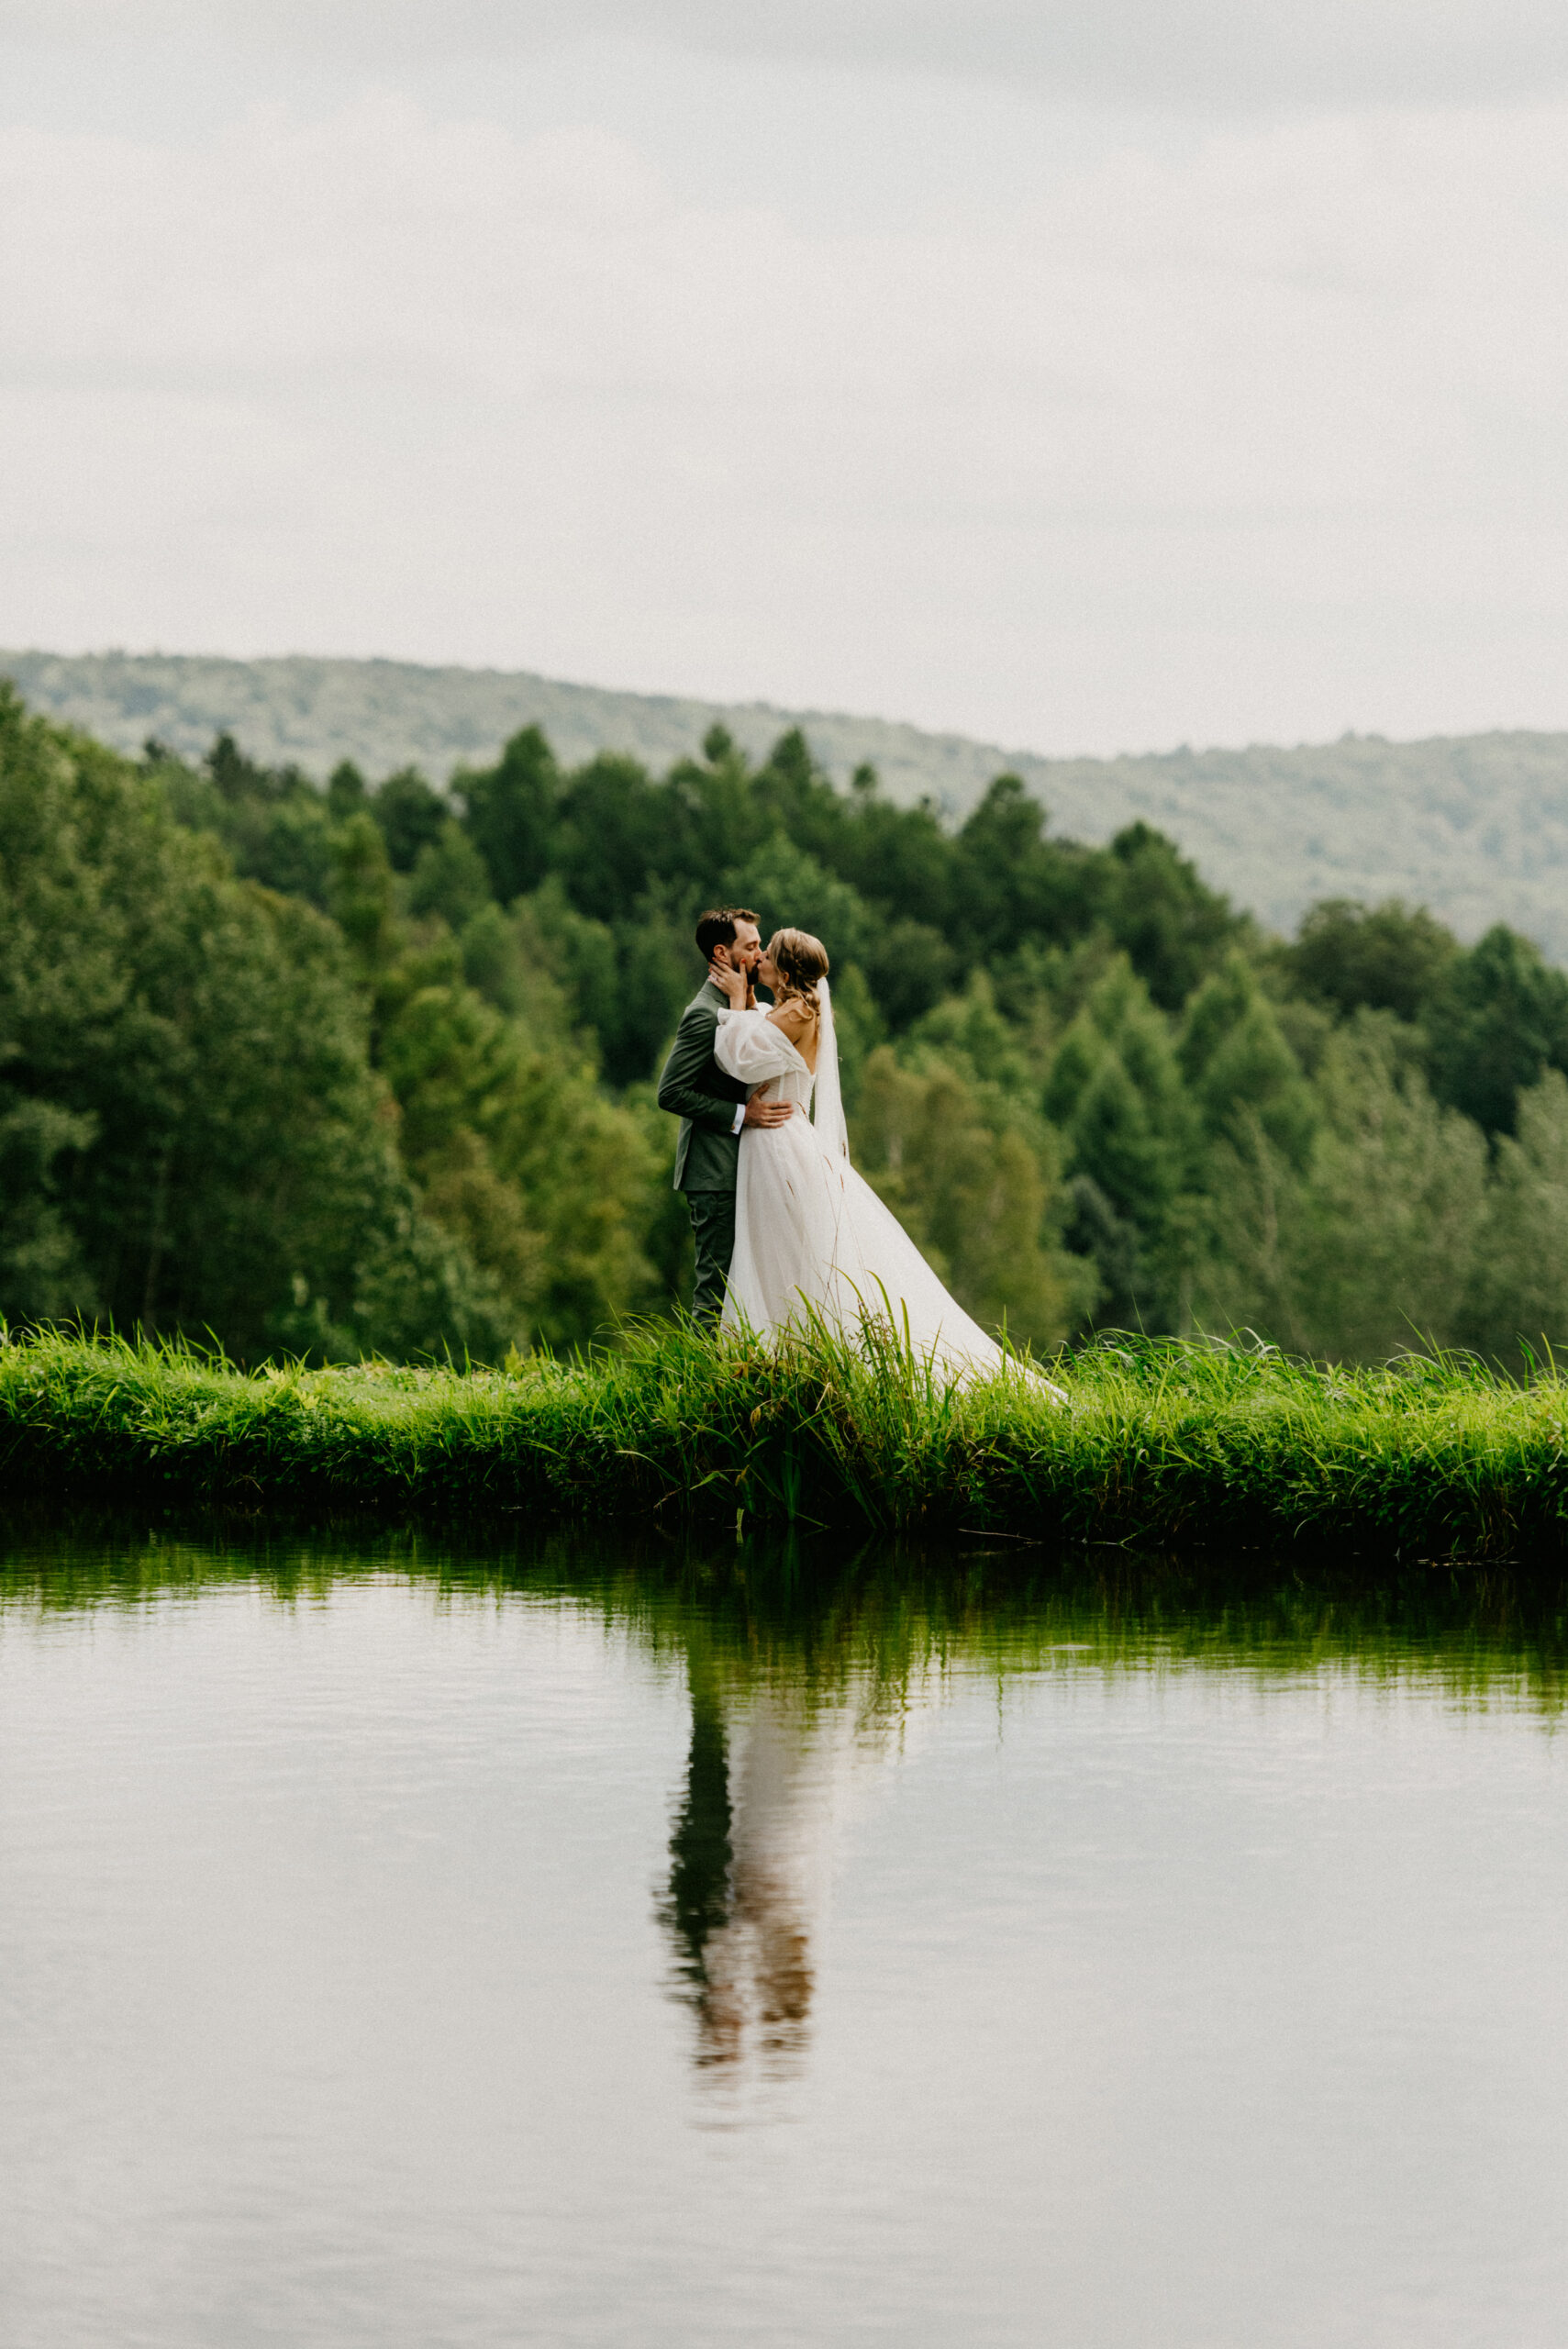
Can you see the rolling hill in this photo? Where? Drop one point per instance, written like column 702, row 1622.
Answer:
column 1476, row 826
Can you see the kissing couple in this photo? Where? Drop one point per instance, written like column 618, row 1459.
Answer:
column 785, row 1230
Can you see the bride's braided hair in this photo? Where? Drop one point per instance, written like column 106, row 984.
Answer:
column 801, row 960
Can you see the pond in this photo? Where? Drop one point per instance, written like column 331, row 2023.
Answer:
column 440, row 1941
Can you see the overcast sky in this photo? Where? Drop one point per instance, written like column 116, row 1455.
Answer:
column 1088, row 379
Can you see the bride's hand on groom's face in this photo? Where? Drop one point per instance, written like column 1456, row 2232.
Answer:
column 730, row 982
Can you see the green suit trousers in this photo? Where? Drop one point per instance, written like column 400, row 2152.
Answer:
column 713, row 1229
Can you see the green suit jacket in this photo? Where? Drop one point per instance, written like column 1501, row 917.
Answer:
column 696, row 1089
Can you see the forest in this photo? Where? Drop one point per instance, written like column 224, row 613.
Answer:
column 367, row 1068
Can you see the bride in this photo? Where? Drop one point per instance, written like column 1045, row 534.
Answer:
column 811, row 1236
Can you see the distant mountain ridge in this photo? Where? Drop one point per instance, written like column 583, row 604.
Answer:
column 1475, row 826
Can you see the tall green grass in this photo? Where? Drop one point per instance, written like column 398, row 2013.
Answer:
column 1158, row 1444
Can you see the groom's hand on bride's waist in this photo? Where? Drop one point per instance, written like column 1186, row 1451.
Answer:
column 767, row 1113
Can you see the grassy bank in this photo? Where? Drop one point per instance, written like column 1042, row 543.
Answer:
column 1158, row 1444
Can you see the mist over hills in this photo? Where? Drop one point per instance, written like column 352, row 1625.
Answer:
column 1476, row 826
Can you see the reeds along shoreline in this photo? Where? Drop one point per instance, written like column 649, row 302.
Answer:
column 1159, row 1442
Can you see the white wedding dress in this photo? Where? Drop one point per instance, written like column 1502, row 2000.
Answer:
column 811, row 1236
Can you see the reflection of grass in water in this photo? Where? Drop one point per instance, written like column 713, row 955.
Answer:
column 1158, row 1443
column 871, row 1624
column 806, row 1633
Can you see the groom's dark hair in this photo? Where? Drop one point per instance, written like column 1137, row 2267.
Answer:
column 717, row 928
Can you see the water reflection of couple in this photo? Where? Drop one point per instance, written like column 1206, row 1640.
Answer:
column 783, row 1225
column 746, row 1858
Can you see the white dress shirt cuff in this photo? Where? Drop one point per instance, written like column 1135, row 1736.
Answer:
column 739, row 1118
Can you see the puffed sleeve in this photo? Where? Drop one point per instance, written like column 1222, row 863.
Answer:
column 750, row 1048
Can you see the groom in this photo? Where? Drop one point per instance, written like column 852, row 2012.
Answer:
column 713, row 1107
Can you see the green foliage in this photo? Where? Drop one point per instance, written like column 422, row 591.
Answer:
column 780, row 873
column 889, row 891
column 449, row 878
column 909, row 967
column 1243, row 1077
column 901, row 862
column 857, row 1016
column 518, row 1152
column 362, row 895
column 1500, row 1020
column 970, row 1182
column 1374, row 1246
column 643, row 985
column 371, row 1066
column 42, row 1273
column 612, row 837
column 969, row 1033
column 504, row 960
column 193, row 1133
column 578, row 952
column 509, row 810
column 1491, row 1018
column 410, row 816
column 272, row 821
column 1520, row 1263
column 1009, row 881
column 346, row 791
column 948, row 1130
column 1475, row 828
column 1116, row 1094
column 625, row 984
column 1170, row 928
column 1385, row 958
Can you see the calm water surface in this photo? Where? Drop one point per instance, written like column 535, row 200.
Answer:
column 399, row 1946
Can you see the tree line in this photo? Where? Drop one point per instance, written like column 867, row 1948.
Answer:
column 369, row 1067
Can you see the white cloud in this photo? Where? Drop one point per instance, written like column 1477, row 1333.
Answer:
column 1264, row 439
